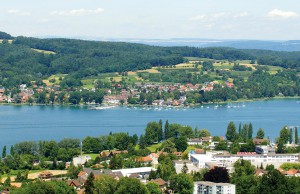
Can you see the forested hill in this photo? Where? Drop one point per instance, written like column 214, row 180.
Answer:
column 33, row 57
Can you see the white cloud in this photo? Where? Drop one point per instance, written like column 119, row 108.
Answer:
column 276, row 13
column 216, row 16
column 18, row 12
column 13, row 11
column 243, row 14
column 198, row 17
column 78, row 12
column 220, row 15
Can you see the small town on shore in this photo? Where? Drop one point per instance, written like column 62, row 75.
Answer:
column 168, row 94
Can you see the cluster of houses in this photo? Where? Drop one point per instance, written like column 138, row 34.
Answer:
column 121, row 96
column 139, row 173
column 134, row 92
column 25, row 93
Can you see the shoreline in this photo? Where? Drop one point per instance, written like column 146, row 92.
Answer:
column 144, row 105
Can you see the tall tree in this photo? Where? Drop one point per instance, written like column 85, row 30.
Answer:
column 105, row 184
column 181, row 183
column 12, row 152
column 166, row 129
column 152, row 133
column 296, row 136
column 273, row 182
column 52, row 97
column 240, row 128
column 250, row 131
column 73, row 171
column 160, row 130
column 181, row 143
column 165, row 168
column 244, row 133
column 217, row 175
column 284, row 134
column 260, row 134
column 291, row 136
column 142, row 142
column 280, row 146
column 231, row 131
column 131, row 185
column 4, row 152
column 116, row 162
column 89, row 184
column 153, row 188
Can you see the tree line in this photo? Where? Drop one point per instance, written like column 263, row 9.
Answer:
column 78, row 58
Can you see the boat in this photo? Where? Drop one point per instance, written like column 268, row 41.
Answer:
column 102, row 107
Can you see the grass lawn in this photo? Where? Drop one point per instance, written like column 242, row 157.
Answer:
column 190, row 147
column 152, row 70
column 190, row 65
column 154, row 147
column 15, row 172
column 93, row 156
column 88, row 83
column 56, row 77
column 273, row 69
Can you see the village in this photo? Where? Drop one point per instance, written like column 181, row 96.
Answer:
column 116, row 95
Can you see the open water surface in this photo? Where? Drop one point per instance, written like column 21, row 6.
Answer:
column 33, row 123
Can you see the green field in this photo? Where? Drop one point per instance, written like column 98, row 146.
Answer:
column 9, row 41
column 55, row 77
column 132, row 76
column 154, row 147
column 93, row 156
column 198, row 59
column 44, row 51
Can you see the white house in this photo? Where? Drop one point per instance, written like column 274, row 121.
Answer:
column 81, row 160
column 206, row 187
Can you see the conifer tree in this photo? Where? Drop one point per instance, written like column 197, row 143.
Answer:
column 89, row 184
column 291, row 135
column 160, row 131
column 12, row 152
column 250, row 131
column 296, row 136
column 260, row 133
column 231, row 131
column 4, row 152
column 167, row 130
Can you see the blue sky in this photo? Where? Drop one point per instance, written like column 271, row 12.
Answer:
column 215, row 19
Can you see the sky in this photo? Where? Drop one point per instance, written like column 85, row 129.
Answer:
column 153, row 19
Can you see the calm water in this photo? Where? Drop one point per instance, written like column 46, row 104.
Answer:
column 24, row 123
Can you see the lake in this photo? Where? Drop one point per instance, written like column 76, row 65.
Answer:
column 33, row 123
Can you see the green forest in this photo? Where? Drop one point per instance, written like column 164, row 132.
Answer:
column 24, row 59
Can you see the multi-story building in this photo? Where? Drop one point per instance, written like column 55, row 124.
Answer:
column 227, row 160
column 206, row 187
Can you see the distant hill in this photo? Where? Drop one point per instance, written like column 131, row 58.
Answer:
column 27, row 59
column 291, row 45
column 4, row 35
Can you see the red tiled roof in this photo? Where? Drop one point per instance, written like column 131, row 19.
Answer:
column 159, row 181
column 291, row 172
column 144, row 159
column 82, row 173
